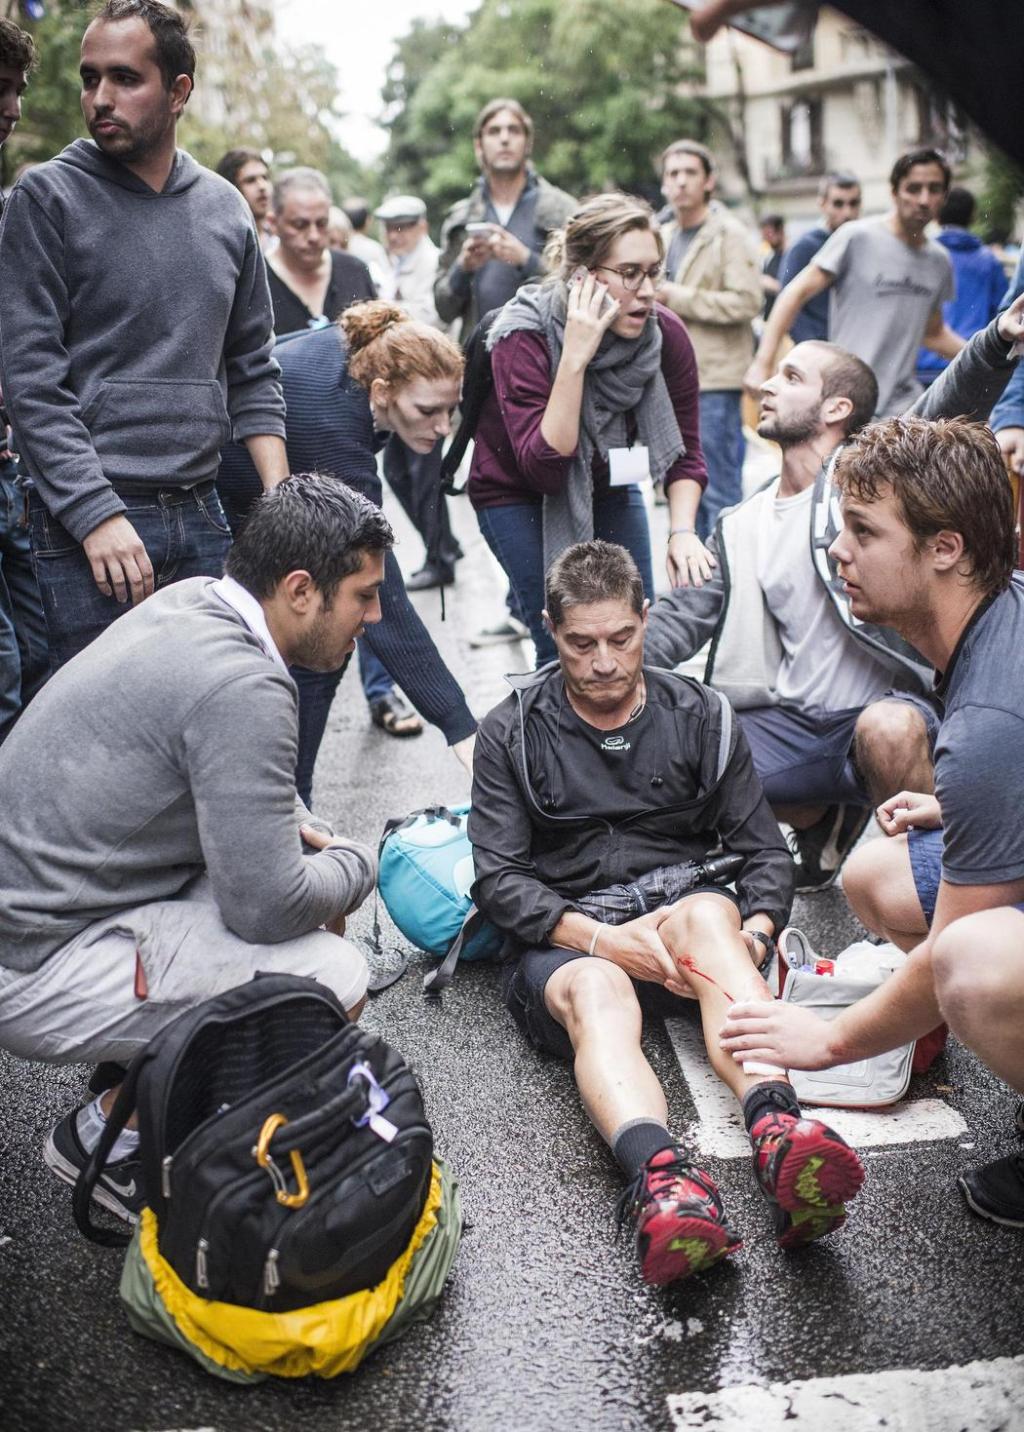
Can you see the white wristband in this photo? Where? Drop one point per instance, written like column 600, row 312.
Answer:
column 593, row 939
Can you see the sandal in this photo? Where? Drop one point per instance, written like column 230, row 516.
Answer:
column 394, row 716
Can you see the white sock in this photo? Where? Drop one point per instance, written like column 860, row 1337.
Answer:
column 90, row 1125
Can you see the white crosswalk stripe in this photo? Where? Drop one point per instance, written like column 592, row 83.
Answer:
column 719, row 1131
column 979, row 1397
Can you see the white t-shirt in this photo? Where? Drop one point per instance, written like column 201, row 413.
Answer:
column 823, row 666
column 503, row 211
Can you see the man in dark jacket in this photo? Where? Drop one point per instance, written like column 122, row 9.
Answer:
column 599, row 771
column 24, row 657
column 135, row 337
column 492, row 241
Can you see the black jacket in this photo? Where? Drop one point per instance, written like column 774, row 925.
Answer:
column 534, row 850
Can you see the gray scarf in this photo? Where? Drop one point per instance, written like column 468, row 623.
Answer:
column 623, row 377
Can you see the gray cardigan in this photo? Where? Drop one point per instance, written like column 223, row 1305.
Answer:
column 165, row 748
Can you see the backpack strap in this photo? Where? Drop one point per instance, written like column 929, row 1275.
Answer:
column 725, row 741
column 124, row 1107
column 441, row 978
column 476, row 387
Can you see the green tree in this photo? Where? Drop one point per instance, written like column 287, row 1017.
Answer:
column 281, row 101
column 606, row 89
column 1001, row 194
column 51, row 113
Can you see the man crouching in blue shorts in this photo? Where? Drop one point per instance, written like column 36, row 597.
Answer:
column 598, row 771
column 928, row 548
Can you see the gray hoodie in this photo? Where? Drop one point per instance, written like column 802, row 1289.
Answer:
column 135, row 329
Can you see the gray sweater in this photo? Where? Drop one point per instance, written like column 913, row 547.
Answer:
column 135, row 329
column 165, row 748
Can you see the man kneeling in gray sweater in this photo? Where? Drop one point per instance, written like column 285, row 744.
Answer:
column 151, row 854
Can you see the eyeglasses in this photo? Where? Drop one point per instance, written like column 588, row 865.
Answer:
column 632, row 276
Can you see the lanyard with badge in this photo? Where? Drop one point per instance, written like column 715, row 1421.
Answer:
column 628, row 465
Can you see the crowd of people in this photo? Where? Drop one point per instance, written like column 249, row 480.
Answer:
column 204, row 376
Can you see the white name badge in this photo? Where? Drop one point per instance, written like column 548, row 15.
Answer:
column 628, row 465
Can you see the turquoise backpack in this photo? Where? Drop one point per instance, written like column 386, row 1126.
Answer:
column 426, row 873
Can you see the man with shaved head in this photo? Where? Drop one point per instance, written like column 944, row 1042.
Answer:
column 834, row 707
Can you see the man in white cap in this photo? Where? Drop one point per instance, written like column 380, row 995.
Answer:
column 413, row 257
column 415, row 478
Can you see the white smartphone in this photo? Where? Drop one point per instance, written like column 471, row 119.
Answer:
column 479, row 228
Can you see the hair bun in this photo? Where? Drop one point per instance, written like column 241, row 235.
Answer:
column 364, row 322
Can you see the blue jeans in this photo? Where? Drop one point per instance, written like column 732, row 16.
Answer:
column 515, row 536
column 184, row 531
column 721, row 437
column 373, row 674
column 24, row 655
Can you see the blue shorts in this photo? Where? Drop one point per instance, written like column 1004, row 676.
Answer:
column 806, row 758
column 925, row 850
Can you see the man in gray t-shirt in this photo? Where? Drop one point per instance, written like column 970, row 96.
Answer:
column 888, row 284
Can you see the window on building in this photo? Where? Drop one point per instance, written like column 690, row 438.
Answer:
column 940, row 123
column 802, row 58
column 802, row 148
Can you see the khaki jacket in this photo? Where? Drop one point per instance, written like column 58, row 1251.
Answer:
column 717, row 292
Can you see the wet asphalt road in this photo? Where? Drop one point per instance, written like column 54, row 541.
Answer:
column 545, row 1323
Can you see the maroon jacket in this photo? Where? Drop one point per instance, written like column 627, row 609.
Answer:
column 511, row 461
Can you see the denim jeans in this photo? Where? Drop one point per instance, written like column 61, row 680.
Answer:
column 373, row 674
column 721, row 437
column 24, row 655
column 514, row 534
column 184, row 531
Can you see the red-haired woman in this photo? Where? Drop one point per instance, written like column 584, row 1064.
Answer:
column 374, row 372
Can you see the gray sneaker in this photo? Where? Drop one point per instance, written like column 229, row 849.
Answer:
column 508, row 629
column 118, row 1188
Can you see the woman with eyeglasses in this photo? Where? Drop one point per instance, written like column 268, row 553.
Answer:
column 595, row 389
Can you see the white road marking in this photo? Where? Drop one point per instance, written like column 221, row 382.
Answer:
column 720, row 1133
column 980, row 1397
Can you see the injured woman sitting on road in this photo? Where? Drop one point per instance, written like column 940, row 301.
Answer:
column 598, row 771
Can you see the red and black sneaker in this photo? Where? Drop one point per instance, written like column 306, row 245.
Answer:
column 807, row 1171
column 680, row 1221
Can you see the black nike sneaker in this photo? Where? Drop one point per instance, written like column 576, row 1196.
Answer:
column 118, row 1188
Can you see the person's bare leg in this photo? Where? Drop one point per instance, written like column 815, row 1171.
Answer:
column 890, row 744
column 597, row 1005
column 676, row 1209
column 804, row 1169
column 879, row 886
column 978, row 966
column 706, row 929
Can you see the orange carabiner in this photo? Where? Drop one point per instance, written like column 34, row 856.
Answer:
column 263, row 1157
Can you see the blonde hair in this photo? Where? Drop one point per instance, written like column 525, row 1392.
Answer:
column 384, row 342
column 588, row 236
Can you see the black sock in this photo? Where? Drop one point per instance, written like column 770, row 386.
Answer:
column 763, row 1098
column 637, row 1141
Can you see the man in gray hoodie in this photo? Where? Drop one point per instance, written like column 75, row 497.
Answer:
column 135, row 337
column 171, row 867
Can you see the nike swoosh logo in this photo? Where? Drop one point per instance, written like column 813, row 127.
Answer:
column 123, row 1190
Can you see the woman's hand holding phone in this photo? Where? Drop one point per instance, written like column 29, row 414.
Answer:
column 590, row 312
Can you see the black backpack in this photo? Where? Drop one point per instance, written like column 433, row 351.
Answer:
column 285, row 1152
column 477, row 382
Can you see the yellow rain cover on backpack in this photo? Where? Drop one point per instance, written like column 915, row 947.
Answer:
column 245, row 1345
